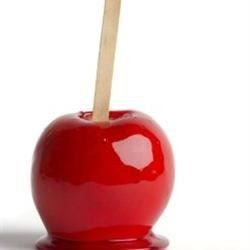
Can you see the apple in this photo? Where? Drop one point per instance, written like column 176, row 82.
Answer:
column 98, row 184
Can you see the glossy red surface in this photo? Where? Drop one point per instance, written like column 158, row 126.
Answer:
column 102, row 182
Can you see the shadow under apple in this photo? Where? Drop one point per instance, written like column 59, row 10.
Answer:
column 26, row 240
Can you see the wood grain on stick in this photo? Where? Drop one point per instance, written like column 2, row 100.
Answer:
column 106, row 60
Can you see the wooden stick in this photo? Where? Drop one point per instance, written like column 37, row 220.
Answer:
column 106, row 60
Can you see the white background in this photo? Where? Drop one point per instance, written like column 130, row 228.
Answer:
column 183, row 62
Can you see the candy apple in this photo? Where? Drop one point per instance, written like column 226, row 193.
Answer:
column 102, row 185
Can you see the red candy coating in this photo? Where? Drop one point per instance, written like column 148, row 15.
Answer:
column 97, row 182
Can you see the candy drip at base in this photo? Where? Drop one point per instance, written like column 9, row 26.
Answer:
column 151, row 242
